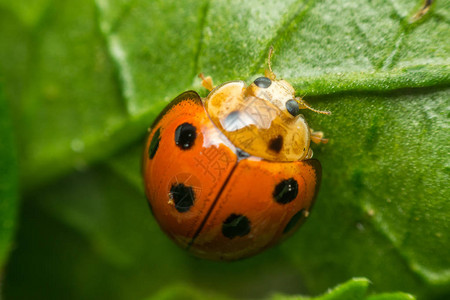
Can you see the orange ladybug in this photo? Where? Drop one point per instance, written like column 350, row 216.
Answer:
column 230, row 175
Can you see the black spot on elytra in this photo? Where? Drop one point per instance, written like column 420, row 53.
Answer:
column 154, row 144
column 263, row 82
column 185, row 135
column 286, row 191
column 276, row 144
column 183, row 196
column 296, row 219
column 235, row 225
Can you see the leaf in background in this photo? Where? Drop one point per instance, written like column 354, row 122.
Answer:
column 155, row 46
column 62, row 87
column 328, row 46
column 382, row 211
column 8, row 181
column 354, row 289
column 29, row 13
column 184, row 292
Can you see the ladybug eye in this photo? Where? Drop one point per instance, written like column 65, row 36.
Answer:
column 292, row 107
column 263, row 82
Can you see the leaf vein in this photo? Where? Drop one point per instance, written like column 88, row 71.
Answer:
column 202, row 23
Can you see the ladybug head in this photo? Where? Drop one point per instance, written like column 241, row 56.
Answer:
column 279, row 92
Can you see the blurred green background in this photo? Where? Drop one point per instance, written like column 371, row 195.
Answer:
column 81, row 81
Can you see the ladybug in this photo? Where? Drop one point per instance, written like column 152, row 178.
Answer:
column 230, row 175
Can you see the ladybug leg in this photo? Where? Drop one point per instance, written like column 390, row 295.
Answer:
column 207, row 82
column 317, row 137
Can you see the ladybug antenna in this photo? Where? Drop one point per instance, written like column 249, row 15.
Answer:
column 303, row 105
column 268, row 72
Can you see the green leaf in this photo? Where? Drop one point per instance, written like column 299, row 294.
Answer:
column 184, row 292
column 85, row 80
column 28, row 12
column 391, row 296
column 8, row 180
column 354, row 289
column 64, row 92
